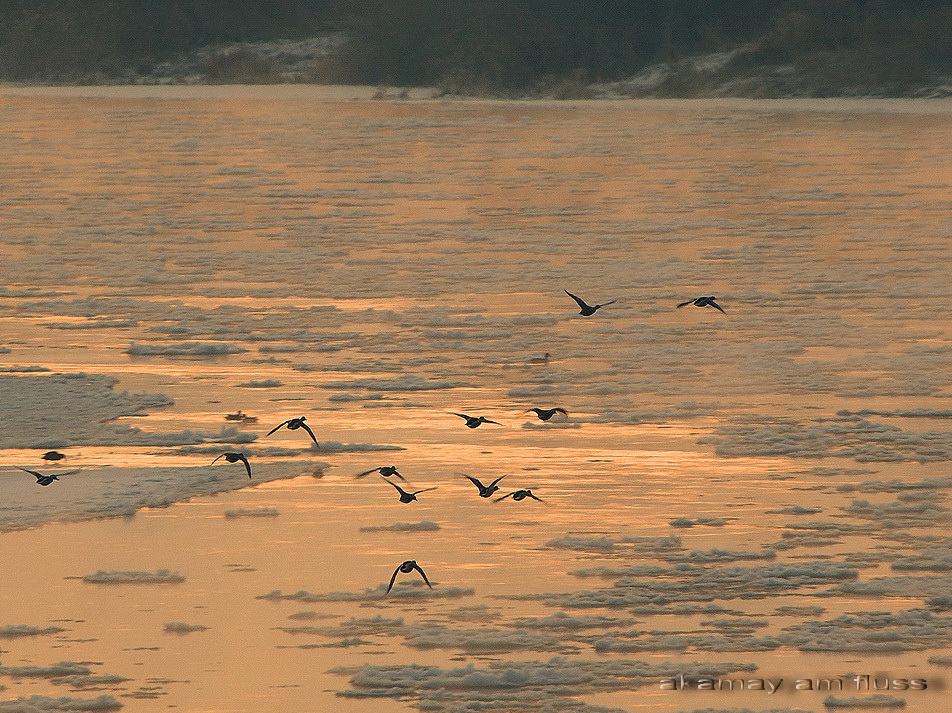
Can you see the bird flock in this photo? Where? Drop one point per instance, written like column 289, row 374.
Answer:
column 386, row 472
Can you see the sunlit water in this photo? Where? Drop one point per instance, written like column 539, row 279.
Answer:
column 377, row 266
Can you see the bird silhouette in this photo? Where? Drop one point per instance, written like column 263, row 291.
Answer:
column 406, row 497
column 53, row 456
column 474, row 421
column 520, row 495
column 586, row 310
column 385, row 470
column 703, row 302
column 545, row 414
column 46, row 479
column 406, row 568
column 234, row 458
column 294, row 424
column 485, row 490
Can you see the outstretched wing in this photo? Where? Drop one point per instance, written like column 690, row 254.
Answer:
column 399, row 489
column 578, row 300
column 423, row 574
column 219, row 457
column 475, row 482
column 400, row 476
column 283, row 423
column 393, row 578
column 31, row 472
column 561, row 411
column 425, row 490
column 486, row 420
column 605, row 304
column 310, row 433
column 461, row 415
column 685, row 304
column 68, row 472
column 368, row 472
column 241, row 457
column 497, row 480
column 715, row 305
column 505, row 496
column 534, row 497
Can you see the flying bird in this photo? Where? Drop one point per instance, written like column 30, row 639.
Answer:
column 520, row 495
column 406, row 568
column 53, row 456
column 485, row 490
column 703, row 302
column 294, row 424
column 406, row 497
column 545, row 414
column 474, row 421
column 587, row 310
column 234, row 458
column 46, row 479
column 385, row 470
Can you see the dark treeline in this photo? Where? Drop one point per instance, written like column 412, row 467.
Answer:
column 485, row 45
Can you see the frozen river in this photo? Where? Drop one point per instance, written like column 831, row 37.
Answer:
column 755, row 494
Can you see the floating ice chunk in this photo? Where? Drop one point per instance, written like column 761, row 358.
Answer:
column 413, row 590
column 48, row 704
column 422, row 526
column 263, row 384
column 13, row 631
column 338, row 447
column 251, row 512
column 184, row 349
column 162, row 576
column 180, row 627
column 407, row 382
column 688, row 522
column 877, row 700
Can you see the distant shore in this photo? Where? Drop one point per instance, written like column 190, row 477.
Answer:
column 345, row 93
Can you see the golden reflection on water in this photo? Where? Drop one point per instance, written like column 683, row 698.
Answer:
column 431, row 222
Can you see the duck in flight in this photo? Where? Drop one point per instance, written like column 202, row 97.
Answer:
column 406, row 497
column 294, row 424
column 520, row 495
column 53, row 456
column 234, row 458
column 46, row 479
column 485, row 490
column 587, row 310
column 385, row 470
column 703, row 302
column 406, row 568
column 473, row 421
column 545, row 414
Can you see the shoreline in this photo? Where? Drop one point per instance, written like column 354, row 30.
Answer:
column 359, row 93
